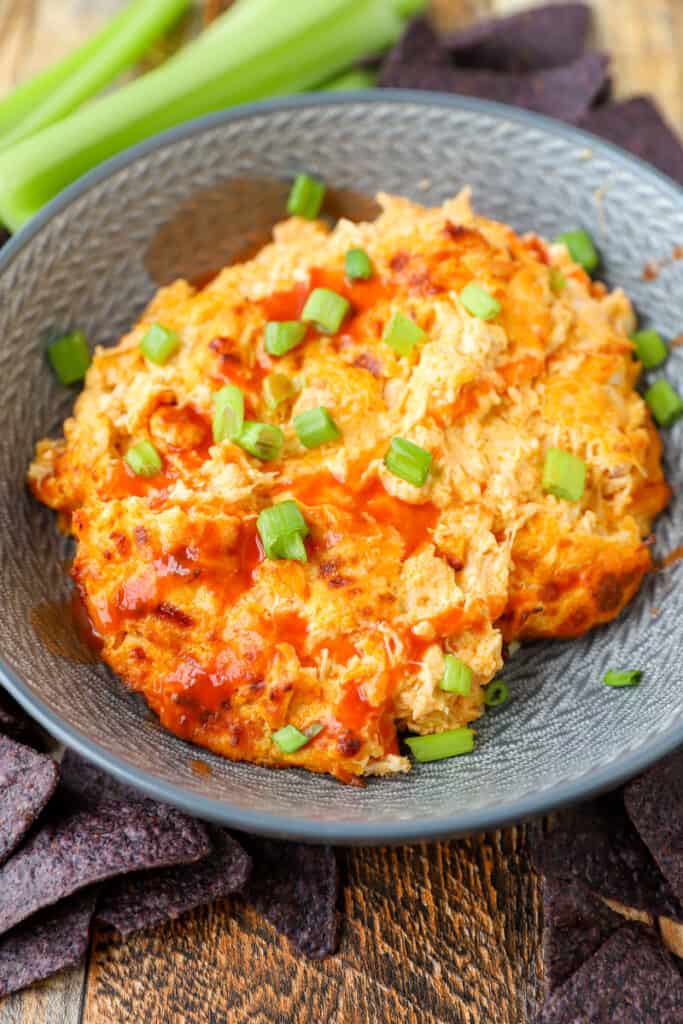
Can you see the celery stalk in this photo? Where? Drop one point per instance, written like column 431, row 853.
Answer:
column 358, row 78
column 256, row 49
column 54, row 93
column 407, row 8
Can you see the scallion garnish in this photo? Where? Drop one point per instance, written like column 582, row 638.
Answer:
column 278, row 526
column 262, row 440
column 277, row 388
column 441, row 745
column 283, row 335
column 357, row 265
column 496, row 693
column 69, row 357
column 290, row 739
column 228, row 418
column 581, row 248
column 629, row 678
column 144, row 459
column 650, row 348
column 402, row 334
column 315, row 427
column 479, row 302
column 306, row 197
column 564, row 475
column 326, row 309
column 665, row 402
column 159, row 344
column 408, row 461
column 457, row 676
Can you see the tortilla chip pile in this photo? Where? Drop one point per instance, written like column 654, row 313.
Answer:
column 77, row 846
column 626, row 848
column 537, row 60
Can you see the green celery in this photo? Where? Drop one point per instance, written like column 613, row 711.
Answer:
column 407, row 8
column 357, row 79
column 258, row 48
column 61, row 88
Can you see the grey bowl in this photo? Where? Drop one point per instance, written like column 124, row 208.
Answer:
column 85, row 262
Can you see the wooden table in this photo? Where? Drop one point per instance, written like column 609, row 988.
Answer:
column 447, row 934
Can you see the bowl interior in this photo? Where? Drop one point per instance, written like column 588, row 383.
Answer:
column 94, row 260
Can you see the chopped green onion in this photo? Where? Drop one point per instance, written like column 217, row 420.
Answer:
column 262, row 440
column 69, row 357
column 357, row 265
column 581, row 248
column 479, row 302
column 457, row 676
column 629, row 678
column 290, row 739
column 665, row 402
column 256, row 49
column 292, row 548
column 277, row 388
column 402, row 334
column 283, row 335
column 326, row 309
column 306, row 197
column 408, row 461
column 564, row 475
column 441, row 745
column 144, row 459
column 650, row 348
column 159, row 344
column 228, row 419
column 278, row 525
column 56, row 92
column 496, row 693
column 315, row 427
column 558, row 282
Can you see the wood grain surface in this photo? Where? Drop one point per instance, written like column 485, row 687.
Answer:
column 445, row 934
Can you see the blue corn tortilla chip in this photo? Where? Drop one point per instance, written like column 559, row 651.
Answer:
column 27, row 782
column 90, row 784
column 597, row 847
column 295, row 888
column 48, row 942
column 76, row 847
column 575, row 925
column 543, row 37
column 638, row 126
column 655, row 805
column 15, row 723
column 631, row 979
column 419, row 57
column 420, row 61
column 150, row 898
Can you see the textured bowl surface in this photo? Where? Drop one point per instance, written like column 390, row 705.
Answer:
column 84, row 262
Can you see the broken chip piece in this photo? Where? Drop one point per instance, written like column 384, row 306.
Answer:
column 133, row 902
column 295, row 888
column 27, row 781
column 48, row 942
column 655, row 805
column 575, row 925
column 420, row 61
column 638, row 126
column 75, row 849
column 631, row 979
column 543, row 37
column 597, row 847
